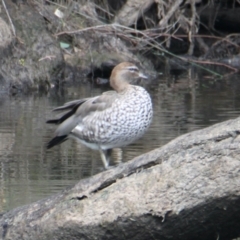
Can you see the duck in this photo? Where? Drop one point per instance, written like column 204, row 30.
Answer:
column 114, row 119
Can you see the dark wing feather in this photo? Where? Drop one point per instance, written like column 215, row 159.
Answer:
column 73, row 105
column 56, row 140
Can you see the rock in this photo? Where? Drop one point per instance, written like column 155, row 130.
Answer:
column 187, row 189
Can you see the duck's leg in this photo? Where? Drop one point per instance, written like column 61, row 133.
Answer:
column 104, row 157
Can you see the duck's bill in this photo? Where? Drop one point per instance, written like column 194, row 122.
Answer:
column 141, row 75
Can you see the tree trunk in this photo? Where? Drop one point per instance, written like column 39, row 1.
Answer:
column 187, row 189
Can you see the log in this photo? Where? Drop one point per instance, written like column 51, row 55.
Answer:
column 131, row 11
column 187, row 189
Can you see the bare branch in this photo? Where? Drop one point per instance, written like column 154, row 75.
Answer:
column 10, row 20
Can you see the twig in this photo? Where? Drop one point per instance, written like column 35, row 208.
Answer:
column 169, row 14
column 50, row 57
column 84, row 29
column 9, row 18
column 65, row 7
column 210, row 63
column 147, row 40
column 192, row 27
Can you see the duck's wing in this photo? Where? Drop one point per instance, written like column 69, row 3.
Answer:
column 99, row 104
column 78, row 110
column 72, row 106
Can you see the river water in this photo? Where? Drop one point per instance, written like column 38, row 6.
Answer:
column 29, row 172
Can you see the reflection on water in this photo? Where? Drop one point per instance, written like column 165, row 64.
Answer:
column 28, row 172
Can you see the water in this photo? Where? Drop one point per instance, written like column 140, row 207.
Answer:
column 28, row 172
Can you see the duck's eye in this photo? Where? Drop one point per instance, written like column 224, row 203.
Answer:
column 133, row 69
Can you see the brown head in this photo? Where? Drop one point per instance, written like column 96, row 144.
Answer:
column 124, row 73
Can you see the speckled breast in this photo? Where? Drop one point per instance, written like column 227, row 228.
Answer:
column 125, row 121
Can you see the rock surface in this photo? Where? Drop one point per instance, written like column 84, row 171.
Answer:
column 187, row 189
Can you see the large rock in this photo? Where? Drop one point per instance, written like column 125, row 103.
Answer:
column 188, row 189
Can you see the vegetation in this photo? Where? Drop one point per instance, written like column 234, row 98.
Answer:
column 198, row 28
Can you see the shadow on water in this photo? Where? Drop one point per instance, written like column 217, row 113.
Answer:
column 182, row 103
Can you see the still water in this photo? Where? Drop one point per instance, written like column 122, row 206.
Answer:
column 29, row 172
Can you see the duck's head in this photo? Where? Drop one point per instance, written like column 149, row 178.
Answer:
column 123, row 74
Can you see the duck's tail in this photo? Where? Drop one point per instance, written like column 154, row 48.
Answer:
column 56, row 140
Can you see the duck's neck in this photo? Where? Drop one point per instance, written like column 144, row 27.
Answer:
column 120, row 85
